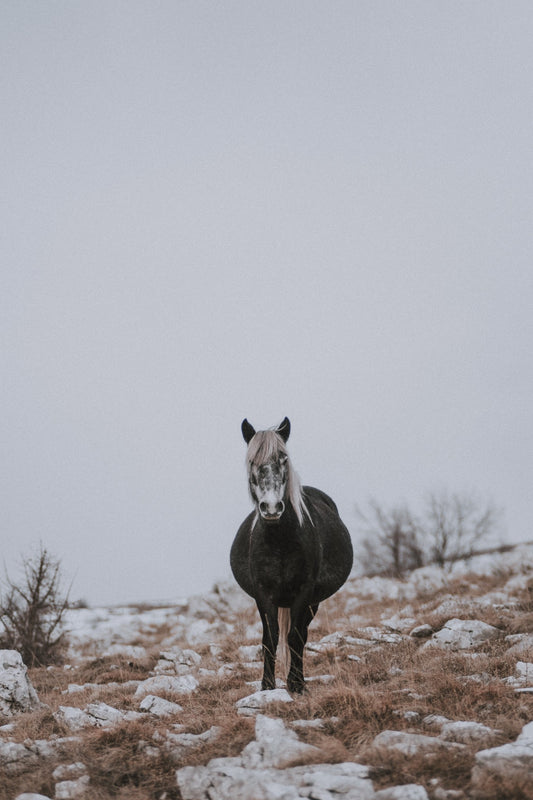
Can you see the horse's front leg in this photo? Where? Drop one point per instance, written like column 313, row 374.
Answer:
column 301, row 617
column 269, row 618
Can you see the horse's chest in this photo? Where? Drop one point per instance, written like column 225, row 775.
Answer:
column 282, row 567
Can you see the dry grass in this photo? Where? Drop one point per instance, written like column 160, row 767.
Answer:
column 392, row 686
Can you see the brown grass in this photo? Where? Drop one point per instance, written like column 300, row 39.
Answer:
column 393, row 686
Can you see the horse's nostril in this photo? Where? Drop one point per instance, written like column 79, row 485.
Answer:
column 271, row 510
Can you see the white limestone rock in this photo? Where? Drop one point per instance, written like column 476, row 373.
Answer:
column 17, row 694
column 31, row 796
column 75, row 688
column 180, row 685
column 177, row 662
column 421, row 631
column 521, row 644
column 411, row 744
column 69, row 771
column 275, row 745
column 95, row 715
column 313, row 724
column 15, row 758
column 409, row 791
column 159, row 706
column 177, row 744
column 251, row 652
column 202, row 631
column 252, row 704
column 71, row 790
column 461, row 634
column 133, row 652
column 523, row 676
column 466, row 732
column 513, row 759
column 260, row 773
column 348, row 779
column 227, row 779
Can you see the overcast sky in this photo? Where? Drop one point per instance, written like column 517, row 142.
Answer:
column 213, row 210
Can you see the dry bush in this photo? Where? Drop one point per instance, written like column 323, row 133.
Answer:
column 395, row 541
column 32, row 610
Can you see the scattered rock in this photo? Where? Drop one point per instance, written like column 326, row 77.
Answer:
column 469, row 732
column 409, row 791
column 31, row 796
column 70, row 790
column 252, row 704
column 411, row 744
column 96, row 715
column 252, row 776
column 177, row 662
column 514, row 759
column 75, row 688
column 523, row 675
column 275, row 746
column 421, row 631
column 134, row 652
column 16, row 758
column 17, row 695
column 251, row 652
column 521, row 644
column 159, row 706
column 462, row 634
column 202, row 631
column 177, row 744
column 316, row 724
column 69, row 771
column 181, row 684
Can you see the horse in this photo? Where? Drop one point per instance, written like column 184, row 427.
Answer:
column 291, row 553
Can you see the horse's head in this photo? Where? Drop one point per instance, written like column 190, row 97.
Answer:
column 269, row 470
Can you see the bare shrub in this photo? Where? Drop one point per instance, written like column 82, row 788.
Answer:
column 455, row 524
column 32, row 609
column 451, row 527
column 391, row 545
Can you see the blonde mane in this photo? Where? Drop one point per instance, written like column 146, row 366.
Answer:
column 266, row 446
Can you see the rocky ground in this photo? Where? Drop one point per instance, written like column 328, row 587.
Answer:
column 417, row 689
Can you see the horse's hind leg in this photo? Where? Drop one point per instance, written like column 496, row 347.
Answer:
column 269, row 618
column 300, row 620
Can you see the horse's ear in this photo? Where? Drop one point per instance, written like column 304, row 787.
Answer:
column 284, row 429
column 247, row 431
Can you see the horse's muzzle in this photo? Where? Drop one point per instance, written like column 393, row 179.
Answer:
column 271, row 513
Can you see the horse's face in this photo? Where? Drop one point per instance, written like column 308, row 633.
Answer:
column 268, row 485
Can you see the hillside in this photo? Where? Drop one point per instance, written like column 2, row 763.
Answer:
column 417, row 689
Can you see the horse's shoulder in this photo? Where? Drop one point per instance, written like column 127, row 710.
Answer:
column 312, row 495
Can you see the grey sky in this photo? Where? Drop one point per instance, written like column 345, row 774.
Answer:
column 218, row 210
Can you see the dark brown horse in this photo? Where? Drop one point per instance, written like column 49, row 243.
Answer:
column 289, row 554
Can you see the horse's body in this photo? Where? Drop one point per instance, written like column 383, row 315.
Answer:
column 291, row 553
